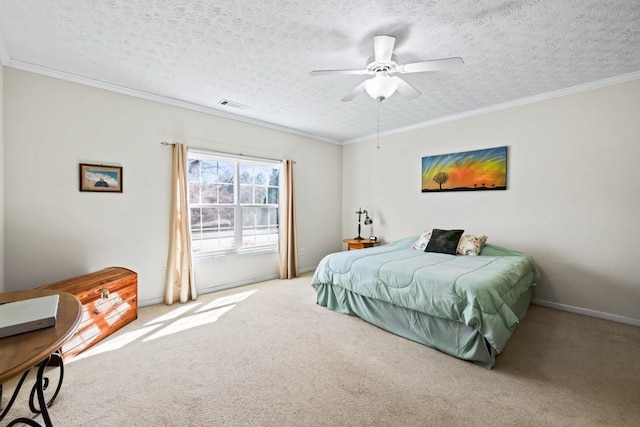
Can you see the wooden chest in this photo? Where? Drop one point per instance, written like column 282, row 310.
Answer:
column 109, row 299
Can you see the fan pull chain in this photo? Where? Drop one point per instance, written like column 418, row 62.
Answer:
column 379, row 102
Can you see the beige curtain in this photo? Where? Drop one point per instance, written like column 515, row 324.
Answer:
column 180, row 284
column 287, row 221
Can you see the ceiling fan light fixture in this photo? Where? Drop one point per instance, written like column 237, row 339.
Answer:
column 384, row 62
column 381, row 86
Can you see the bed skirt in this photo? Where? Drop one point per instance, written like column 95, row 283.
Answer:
column 450, row 337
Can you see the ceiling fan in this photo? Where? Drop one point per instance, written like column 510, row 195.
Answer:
column 383, row 65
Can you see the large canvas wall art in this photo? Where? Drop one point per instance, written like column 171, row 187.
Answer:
column 477, row 170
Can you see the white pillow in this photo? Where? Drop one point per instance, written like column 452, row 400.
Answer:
column 470, row 244
column 421, row 243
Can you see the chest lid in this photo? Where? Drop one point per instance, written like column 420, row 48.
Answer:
column 99, row 284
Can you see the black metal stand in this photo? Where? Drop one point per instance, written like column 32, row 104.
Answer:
column 38, row 389
column 359, row 212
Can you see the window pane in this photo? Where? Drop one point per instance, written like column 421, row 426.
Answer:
column 196, row 229
column 195, row 219
column 259, row 227
column 248, row 217
column 246, row 194
column 274, row 177
column 194, row 180
column 194, row 170
column 273, row 196
column 225, row 193
column 246, row 174
column 248, row 227
column 262, row 216
column 273, row 235
column 226, row 239
column 209, row 193
column 209, row 219
column 227, row 218
column 212, row 229
column 194, row 192
column 261, row 195
column 273, row 216
column 225, row 172
column 260, row 176
column 209, row 171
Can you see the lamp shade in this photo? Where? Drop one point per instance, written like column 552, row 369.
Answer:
column 381, row 86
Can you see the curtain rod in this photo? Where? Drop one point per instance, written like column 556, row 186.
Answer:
column 165, row 143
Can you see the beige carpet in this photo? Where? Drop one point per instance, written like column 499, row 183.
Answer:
column 267, row 355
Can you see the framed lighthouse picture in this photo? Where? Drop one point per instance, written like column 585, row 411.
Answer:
column 100, row 178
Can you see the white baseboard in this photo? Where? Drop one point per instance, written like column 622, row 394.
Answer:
column 225, row 286
column 237, row 284
column 149, row 302
column 308, row 269
column 587, row 312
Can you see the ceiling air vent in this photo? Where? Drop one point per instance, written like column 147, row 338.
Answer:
column 231, row 104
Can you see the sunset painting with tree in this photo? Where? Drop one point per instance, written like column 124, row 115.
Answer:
column 466, row 171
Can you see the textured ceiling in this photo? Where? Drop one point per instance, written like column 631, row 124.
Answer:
column 259, row 53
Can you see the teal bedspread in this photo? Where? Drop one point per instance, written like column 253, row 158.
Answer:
column 479, row 291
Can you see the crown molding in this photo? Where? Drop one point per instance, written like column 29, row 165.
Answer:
column 624, row 78
column 49, row 72
column 25, row 66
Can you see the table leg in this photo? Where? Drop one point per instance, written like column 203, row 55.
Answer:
column 38, row 389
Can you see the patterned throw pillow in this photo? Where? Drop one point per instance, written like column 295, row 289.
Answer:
column 421, row 243
column 470, row 244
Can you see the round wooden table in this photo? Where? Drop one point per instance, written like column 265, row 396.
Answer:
column 21, row 353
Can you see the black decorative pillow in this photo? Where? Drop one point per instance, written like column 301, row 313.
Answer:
column 444, row 241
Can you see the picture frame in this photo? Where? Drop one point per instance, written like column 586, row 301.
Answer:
column 100, row 178
column 478, row 170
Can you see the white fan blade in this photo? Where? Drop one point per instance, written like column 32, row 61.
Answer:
column 406, row 90
column 355, row 92
column 435, row 65
column 383, row 48
column 331, row 72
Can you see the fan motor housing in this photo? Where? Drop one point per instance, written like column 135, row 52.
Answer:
column 374, row 67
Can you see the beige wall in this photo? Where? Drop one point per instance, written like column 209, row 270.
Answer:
column 573, row 198
column 53, row 231
column 1, row 180
column 572, row 203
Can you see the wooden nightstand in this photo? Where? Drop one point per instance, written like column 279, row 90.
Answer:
column 360, row 244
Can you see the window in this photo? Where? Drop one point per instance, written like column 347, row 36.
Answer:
column 233, row 203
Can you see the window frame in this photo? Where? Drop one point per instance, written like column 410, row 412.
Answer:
column 237, row 205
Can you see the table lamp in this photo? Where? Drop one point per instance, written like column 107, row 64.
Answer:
column 367, row 221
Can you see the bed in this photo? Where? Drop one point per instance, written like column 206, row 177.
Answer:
column 465, row 306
